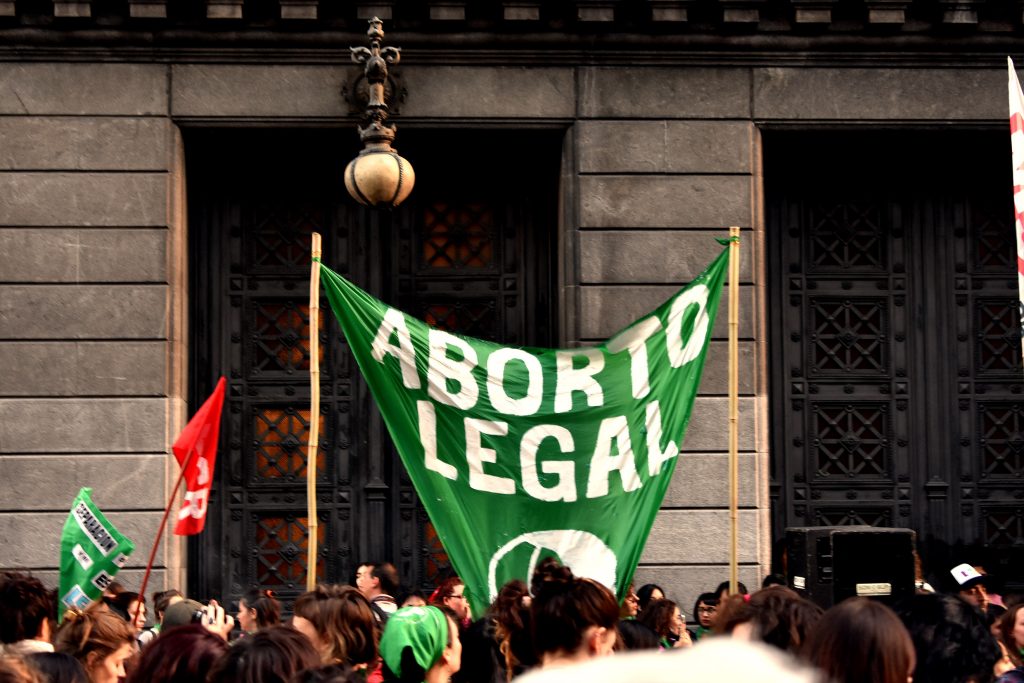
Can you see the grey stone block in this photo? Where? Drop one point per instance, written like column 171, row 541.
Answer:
column 665, row 146
column 32, row 540
column 716, row 368
column 65, row 143
column 92, row 255
column 83, row 199
column 97, row 425
column 132, row 578
column 219, row 90
column 83, row 425
column 879, row 94
column 709, row 425
column 700, row 537
column 132, row 482
column 655, row 92
column 606, row 310
column 82, row 88
column 54, row 312
column 120, row 368
column 701, row 480
column 489, row 92
column 685, row 584
column 665, row 201
column 627, row 256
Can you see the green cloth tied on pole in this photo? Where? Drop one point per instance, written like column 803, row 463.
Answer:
column 520, row 453
column 424, row 630
column 92, row 551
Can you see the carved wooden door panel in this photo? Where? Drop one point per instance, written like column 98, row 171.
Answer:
column 471, row 258
column 896, row 369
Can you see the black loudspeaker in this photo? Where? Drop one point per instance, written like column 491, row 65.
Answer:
column 828, row 564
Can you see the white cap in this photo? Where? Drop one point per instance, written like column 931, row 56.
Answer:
column 966, row 575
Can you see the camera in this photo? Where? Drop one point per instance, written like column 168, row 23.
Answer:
column 198, row 616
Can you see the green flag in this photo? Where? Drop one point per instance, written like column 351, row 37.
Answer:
column 92, row 551
column 522, row 453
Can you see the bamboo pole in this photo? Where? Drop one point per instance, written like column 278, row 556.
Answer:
column 734, row 384
column 312, row 447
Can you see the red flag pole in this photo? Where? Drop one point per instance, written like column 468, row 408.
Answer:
column 160, row 533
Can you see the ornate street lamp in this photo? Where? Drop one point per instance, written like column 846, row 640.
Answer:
column 378, row 176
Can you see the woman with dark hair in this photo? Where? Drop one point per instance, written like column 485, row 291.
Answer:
column 498, row 647
column 722, row 592
column 340, row 624
column 411, row 598
column 258, row 609
column 100, row 640
column 420, row 645
column 271, row 655
column 704, row 610
column 57, row 667
column 131, row 607
column 181, row 655
column 664, row 618
column 861, row 640
column 161, row 601
column 647, row 594
column 952, row 642
column 573, row 619
column 1010, row 630
column 775, row 615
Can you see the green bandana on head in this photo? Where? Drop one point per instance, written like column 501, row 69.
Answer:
column 424, row 630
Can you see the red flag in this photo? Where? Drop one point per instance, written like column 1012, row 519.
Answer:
column 200, row 435
column 1017, row 145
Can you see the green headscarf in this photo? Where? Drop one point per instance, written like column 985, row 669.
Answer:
column 424, row 630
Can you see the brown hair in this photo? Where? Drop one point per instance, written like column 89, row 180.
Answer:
column 96, row 630
column 18, row 670
column 861, row 640
column 564, row 606
column 779, row 616
column 659, row 617
column 1004, row 631
column 268, row 609
column 344, row 621
column 181, row 655
column 511, row 618
column 271, row 655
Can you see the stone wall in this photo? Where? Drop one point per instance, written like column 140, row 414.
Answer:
column 658, row 161
column 88, row 393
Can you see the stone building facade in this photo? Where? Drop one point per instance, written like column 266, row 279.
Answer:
column 162, row 163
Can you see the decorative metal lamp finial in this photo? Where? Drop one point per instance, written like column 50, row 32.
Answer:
column 378, row 176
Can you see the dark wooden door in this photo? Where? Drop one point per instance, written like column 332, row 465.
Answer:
column 896, row 362
column 471, row 255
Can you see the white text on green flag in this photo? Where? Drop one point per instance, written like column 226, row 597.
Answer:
column 92, row 551
column 522, row 453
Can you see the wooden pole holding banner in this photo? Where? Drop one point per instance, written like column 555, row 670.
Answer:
column 160, row 533
column 312, row 447
column 734, row 402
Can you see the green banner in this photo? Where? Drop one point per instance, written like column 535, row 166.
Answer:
column 92, row 551
column 522, row 453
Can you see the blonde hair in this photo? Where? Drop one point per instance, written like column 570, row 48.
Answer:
column 95, row 630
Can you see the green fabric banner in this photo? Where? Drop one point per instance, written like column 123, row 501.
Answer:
column 521, row 453
column 92, row 551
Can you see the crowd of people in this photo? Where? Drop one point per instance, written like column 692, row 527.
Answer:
column 560, row 626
